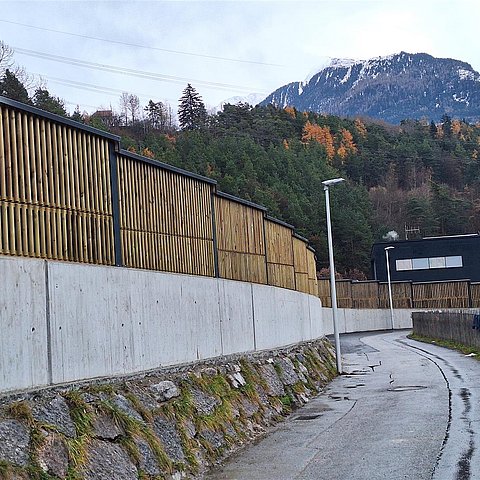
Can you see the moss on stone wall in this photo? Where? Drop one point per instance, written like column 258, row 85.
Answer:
column 165, row 425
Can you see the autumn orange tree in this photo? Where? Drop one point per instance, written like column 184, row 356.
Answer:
column 321, row 135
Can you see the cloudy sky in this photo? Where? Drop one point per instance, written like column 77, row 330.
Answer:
column 89, row 52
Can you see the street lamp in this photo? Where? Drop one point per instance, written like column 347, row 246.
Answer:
column 333, row 291
column 389, row 283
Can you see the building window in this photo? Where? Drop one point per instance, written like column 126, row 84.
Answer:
column 419, row 263
column 403, row 265
column 406, row 264
column 437, row 262
column 453, row 261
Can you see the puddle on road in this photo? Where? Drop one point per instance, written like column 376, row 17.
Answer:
column 338, row 398
column 406, row 388
column 308, row 417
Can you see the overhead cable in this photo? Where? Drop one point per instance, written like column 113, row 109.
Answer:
column 176, row 52
column 134, row 73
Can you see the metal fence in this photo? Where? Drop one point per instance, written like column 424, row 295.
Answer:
column 68, row 192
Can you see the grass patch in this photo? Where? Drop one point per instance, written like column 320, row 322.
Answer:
column 79, row 412
column 5, row 469
column 36, row 473
column 451, row 344
column 298, row 388
column 21, row 411
column 287, row 402
column 252, row 379
column 164, row 462
column 133, row 429
column 137, row 405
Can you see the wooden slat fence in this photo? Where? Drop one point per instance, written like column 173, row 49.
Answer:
column 447, row 294
column 165, row 219
column 372, row 294
column 240, row 239
column 312, row 272
column 401, row 295
column 55, row 190
column 475, row 294
column 300, row 263
column 365, row 295
column 68, row 192
column 344, row 294
column 324, row 292
column 280, row 262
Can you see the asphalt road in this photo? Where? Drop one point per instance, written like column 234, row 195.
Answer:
column 402, row 410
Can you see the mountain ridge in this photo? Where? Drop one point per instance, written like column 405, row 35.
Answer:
column 391, row 88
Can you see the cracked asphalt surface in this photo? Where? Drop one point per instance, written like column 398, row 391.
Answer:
column 401, row 410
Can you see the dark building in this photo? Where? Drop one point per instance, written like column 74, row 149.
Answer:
column 430, row 259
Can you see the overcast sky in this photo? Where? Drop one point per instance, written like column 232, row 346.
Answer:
column 223, row 48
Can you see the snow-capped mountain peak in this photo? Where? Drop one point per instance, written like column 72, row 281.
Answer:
column 392, row 88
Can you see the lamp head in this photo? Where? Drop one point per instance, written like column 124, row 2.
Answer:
column 388, row 248
column 333, row 181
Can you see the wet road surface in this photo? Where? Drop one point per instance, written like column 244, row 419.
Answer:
column 402, row 410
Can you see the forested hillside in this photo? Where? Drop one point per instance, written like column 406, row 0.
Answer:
column 419, row 174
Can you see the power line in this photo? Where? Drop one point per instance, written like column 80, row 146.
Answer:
column 132, row 72
column 136, row 45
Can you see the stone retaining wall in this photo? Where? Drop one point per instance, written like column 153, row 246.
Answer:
column 169, row 424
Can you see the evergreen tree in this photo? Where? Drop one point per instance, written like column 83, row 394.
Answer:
column 42, row 99
column 192, row 114
column 77, row 116
column 159, row 116
column 12, row 87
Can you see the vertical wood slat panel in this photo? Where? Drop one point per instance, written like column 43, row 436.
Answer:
column 14, row 154
column 20, row 150
column 475, row 294
column 237, row 227
column 279, row 248
column 454, row 294
column 164, row 219
column 43, row 190
column 312, row 273
column 3, row 158
column 300, row 265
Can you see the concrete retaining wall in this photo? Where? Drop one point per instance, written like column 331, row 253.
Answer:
column 23, row 327
column 365, row 320
column 64, row 322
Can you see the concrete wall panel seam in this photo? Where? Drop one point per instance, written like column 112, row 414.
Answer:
column 48, row 325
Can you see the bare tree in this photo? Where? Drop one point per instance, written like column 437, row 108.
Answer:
column 6, row 57
column 129, row 108
column 7, row 62
column 123, row 102
column 133, row 107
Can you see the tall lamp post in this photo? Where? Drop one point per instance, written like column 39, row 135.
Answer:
column 333, row 290
column 389, row 280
